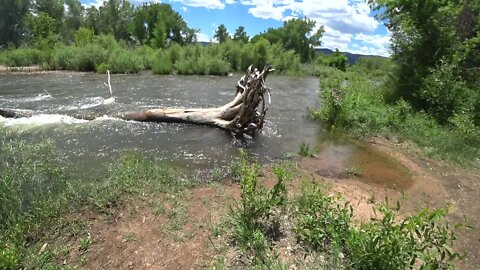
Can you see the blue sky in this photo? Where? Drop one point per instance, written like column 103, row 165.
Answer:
column 349, row 24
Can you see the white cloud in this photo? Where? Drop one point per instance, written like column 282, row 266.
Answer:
column 210, row 4
column 185, row 9
column 344, row 20
column 230, row 2
column 201, row 37
column 335, row 39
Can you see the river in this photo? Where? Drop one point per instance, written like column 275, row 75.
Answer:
column 52, row 97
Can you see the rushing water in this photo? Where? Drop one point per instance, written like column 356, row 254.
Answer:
column 52, row 97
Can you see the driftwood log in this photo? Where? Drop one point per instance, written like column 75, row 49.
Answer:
column 245, row 114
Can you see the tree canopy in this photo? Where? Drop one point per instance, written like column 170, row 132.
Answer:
column 436, row 45
column 296, row 34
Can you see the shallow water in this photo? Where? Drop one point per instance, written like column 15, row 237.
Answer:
column 52, row 97
column 91, row 144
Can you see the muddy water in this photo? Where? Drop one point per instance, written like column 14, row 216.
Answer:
column 345, row 158
column 89, row 144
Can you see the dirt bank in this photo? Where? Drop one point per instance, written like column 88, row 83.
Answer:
column 183, row 230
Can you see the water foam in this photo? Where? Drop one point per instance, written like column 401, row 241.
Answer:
column 41, row 119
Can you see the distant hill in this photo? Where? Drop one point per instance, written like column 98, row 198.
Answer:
column 352, row 57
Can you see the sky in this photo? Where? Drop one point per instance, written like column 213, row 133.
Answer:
column 349, row 25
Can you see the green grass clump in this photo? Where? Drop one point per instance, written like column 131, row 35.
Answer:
column 306, row 150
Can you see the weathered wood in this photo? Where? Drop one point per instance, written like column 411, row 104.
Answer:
column 241, row 116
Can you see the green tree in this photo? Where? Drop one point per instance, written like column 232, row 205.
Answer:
column 92, row 19
column 159, row 34
column 145, row 22
column 84, row 36
column 430, row 40
column 241, row 35
column 221, row 34
column 297, row 35
column 42, row 26
column 73, row 18
column 12, row 20
column 115, row 17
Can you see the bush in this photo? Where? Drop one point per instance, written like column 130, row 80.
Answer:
column 24, row 57
column 147, row 54
column 162, row 64
column 422, row 241
column 89, row 57
column 218, row 67
column 64, row 58
column 445, row 93
column 102, row 68
column 320, row 220
column 124, row 61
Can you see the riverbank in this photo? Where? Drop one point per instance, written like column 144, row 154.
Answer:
column 134, row 222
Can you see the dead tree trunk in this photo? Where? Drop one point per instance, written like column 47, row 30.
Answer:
column 239, row 116
column 245, row 114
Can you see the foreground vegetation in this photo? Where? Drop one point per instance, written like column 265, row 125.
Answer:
column 39, row 192
column 324, row 225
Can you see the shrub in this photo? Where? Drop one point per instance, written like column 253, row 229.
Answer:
column 89, row 57
column 162, row 64
column 420, row 241
column 64, row 58
column 249, row 216
column 102, row 68
column 124, row 61
column 84, row 36
column 445, row 93
column 24, row 57
column 218, row 67
column 320, row 220
column 147, row 54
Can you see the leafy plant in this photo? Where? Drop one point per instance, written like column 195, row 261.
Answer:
column 421, row 241
column 250, row 216
column 319, row 219
column 306, row 150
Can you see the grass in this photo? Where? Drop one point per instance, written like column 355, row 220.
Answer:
column 306, row 150
column 353, row 101
column 38, row 189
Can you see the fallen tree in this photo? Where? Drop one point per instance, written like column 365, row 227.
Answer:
column 245, row 114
